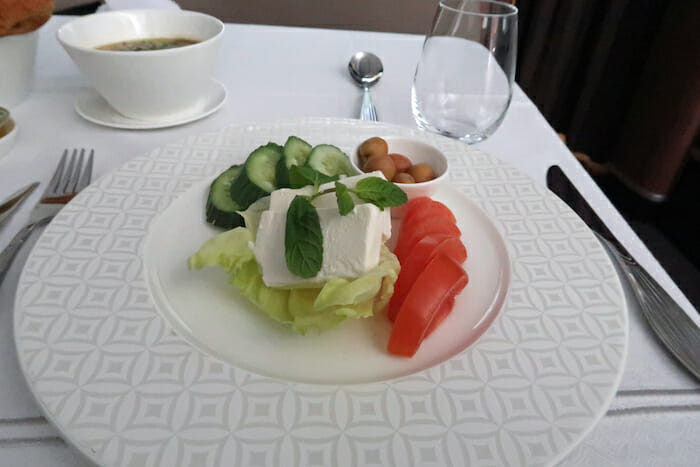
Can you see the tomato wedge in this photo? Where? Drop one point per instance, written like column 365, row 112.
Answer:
column 411, row 234
column 441, row 314
column 442, row 279
column 417, row 204
column 432, row 210
column 416, row 261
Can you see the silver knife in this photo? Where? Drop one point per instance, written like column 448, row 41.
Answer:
column 11, row 204
column 668, row 320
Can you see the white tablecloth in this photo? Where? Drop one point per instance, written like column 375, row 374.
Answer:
column 275, row 72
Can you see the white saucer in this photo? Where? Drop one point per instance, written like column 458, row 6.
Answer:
column 93, row 107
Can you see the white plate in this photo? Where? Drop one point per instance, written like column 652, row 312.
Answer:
column 205, row 310
column 122, row 386
column 93, row 107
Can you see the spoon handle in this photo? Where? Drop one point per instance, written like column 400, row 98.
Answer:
column 368, row 111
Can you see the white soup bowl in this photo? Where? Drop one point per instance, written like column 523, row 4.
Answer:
column 145, row 85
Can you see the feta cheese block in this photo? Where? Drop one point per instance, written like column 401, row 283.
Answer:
column 351, row 243
column 282, row 198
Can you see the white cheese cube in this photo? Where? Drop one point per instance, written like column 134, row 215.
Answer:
column 351, row 245
column 281, row 199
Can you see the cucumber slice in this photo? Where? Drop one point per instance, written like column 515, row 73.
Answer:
column 330, row 160
column 221, row 208
column 259, row 177
column 296, row 151
column 260, row 166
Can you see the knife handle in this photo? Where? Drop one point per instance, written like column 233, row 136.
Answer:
column 11, row 250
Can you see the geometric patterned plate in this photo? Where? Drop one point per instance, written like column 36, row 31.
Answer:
column 122, row 387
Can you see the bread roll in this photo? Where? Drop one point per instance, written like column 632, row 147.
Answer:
column 22, row 16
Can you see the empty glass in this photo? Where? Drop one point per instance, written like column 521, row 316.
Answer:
column 463, row 82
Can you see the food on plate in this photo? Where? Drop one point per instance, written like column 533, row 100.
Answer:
column 412, row 232
column 306, row 243
column 427, row 303
column 221, row 209
column 431, row 275
column 373, row 147
column 381, row 163
column 146, row 45
column 308, row 249
column 425, row 250
column 425, row 207
column 403, row 178
column 421, row 172
column 401, row 162
column 373, row 154
column 23, row 16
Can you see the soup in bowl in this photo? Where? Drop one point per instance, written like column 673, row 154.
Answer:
column 147, row 64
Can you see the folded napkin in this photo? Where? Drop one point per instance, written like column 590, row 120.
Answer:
column 111, row 5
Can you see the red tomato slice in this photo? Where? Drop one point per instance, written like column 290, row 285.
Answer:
column 410, row 234
column 441, row 280
column 433, row 209
column 417, row 204
column 442, row 313
column 416, row 261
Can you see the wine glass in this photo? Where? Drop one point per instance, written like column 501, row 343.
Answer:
column 464, row 79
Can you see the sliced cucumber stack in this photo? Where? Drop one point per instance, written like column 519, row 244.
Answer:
column 221, row 208
column 267, row 169
column 330, row 160
column 258, row 178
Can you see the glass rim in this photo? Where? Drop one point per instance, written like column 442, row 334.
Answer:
column 510, row 10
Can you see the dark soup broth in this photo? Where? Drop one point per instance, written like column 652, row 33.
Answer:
column 143, row 45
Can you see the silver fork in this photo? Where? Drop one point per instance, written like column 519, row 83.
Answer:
column 64, row 185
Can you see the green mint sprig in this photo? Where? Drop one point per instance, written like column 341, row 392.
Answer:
column 301, row 176
column 343, row 198
column 303, row 241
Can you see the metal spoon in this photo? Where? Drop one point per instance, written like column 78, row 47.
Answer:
column 366, row 69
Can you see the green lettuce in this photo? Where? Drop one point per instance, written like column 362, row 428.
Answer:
column 304, row 309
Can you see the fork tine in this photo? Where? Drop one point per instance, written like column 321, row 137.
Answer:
column 68, row 174
column 87, row 173
column 56, row 178
column 72, row 182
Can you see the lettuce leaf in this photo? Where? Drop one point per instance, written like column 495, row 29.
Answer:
column 304, row 309
column 228, row 250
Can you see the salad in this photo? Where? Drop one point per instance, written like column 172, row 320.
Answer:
column 304, row 241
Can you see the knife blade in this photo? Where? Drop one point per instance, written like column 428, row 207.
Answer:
column 676, row 330
column 13, row 201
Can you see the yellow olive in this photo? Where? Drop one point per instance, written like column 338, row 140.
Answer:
column 383, row 163
column 401, row 162
column 403, row 177
column 371, row 148
column 421, row 172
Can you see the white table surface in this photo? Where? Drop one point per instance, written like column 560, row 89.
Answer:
column 273, row 73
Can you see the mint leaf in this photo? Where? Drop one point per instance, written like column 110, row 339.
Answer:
column 345, row 202
column 301, row 176
column 303, row 240
column 380, row 192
